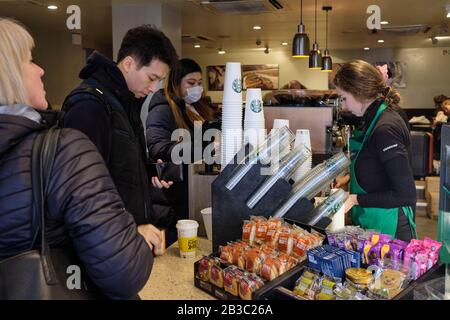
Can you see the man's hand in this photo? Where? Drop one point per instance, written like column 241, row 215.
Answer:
column 151, row 234
column 161, row 183
column 341, row 181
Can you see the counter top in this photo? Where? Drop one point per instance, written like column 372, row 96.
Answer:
column 172, row 277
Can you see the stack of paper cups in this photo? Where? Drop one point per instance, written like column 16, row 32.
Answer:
column 231, row 140
column 303, row 137
column 254, row 123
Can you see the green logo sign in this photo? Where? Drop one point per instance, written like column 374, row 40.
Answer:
column 237, row 85
column 256, row 106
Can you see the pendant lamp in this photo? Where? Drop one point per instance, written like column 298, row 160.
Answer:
column 327, row 63
column 300, row 44
column 315, row 57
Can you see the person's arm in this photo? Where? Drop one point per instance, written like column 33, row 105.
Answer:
column 389, row 145
column 91, row 117
column 159, row 128
column 104, row 235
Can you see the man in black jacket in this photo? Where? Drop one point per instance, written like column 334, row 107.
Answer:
column 106, row 107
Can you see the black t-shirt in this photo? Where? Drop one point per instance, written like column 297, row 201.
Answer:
column 383, row 167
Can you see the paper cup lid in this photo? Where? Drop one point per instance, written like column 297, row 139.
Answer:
column 187, row 224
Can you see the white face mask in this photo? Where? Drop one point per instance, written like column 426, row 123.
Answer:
column 193, row 94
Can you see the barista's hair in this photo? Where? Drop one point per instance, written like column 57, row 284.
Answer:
column 15, row 46
column 145, row 44
column 365, row 82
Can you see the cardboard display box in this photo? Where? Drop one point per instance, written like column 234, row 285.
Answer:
column 432, row 184
column 433, row 204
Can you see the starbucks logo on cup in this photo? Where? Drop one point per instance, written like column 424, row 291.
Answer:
column 256, row 106
column 237, row 85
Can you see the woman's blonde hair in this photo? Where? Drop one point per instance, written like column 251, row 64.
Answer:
column 15, row 45
column 365, row 82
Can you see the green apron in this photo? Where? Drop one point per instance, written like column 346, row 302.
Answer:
column 380, row 219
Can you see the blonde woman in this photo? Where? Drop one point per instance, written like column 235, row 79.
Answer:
column 85, row 212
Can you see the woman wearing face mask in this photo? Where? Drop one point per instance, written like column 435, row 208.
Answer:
column 177, row 106
column 382, row 189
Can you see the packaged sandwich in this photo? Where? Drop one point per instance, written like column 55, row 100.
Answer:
column 308, row 285
column 269, row 269
column 262, row 226
column 216, row 275
column 285, row 240
column 274, row 224
column 238, row 249
column 231, row 278
column 249, row 231
column 226, row 253
column 249, row 283
column 253, row 261
column 204, row 268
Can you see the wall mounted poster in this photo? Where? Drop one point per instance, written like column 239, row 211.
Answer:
column 265, row 76
column 216, row 77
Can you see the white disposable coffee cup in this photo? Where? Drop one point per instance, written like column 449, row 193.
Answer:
column 187, row 238
column 232, row 90
column 280, row 123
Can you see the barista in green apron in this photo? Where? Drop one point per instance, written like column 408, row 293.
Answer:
column 382, row 147
column 381, row 219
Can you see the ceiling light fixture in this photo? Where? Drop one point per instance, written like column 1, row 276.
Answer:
column 447, row 8
column 197, row 46
column 284, row 43
column 380, row 41
column 257, row 27
column 221, row 51
column 300, row 44
column 315, row 57
column 52, row 7
column 327, row 62
column 366, row 48
column 384, row 22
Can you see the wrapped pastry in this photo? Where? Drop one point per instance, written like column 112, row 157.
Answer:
column 216, row 276
column 272, row 237
column 253, row 261
column 282, row 263
column 249, row 231
column 204, row 269
column 248, row 285
column 226, row 253
column 266, row 251
column 359, row 276
column 231, row 278
column 269, row 269
column 292, row 262
column 389, row 284
column 301, row 247
column 273, row 225
column 262, row 226
column 285, row 240
column 238, row 250
column 307, row 286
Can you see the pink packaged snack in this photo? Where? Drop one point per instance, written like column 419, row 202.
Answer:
column 433, row 248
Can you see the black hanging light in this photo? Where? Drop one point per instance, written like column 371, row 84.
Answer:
column 327, row 63
column 315, row 57
column 300, row 44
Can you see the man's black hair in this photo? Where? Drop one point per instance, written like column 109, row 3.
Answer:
column 146, row 43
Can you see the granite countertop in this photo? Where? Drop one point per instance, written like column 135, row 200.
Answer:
column 172, row 277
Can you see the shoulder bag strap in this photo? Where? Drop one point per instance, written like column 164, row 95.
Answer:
column 43, row 156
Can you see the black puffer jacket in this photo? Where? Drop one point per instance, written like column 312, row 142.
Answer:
column 85, row 208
